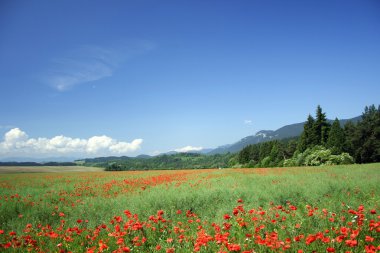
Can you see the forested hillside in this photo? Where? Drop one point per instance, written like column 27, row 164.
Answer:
column 322, row 143
column 174, row 161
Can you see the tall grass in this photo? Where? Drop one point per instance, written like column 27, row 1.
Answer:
column 99, row 196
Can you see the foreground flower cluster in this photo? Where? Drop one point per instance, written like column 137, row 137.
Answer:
column 280, row 228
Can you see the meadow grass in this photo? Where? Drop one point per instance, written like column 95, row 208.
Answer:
column 43, row 199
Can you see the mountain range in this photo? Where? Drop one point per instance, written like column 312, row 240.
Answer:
column 284, row 132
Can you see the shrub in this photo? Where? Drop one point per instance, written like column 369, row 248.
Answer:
column 317, row 156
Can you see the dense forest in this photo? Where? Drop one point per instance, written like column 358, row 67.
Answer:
column 321, row 143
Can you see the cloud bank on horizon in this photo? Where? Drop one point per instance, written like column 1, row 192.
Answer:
column 188, row 149
column 16, row 142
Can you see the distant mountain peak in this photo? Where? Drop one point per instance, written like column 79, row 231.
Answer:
column 265, row 134
column 288, row 131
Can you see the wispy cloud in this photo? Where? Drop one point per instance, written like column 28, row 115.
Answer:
column 91, row 63
column 17, row 142
column 188, row 149
column 248, row 122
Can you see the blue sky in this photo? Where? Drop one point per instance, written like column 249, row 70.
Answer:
column 96, row 78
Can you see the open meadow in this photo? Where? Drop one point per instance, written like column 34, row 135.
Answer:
column 303, row 209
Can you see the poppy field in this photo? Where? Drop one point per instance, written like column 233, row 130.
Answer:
column 307, row 209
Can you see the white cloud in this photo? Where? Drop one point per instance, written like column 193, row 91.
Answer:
column 91, row 63
column 156, row 152
column 15, row 135
column 248, row 122
column 125, row 147
column 16, row 142
column 96, row 143
column 188, row 149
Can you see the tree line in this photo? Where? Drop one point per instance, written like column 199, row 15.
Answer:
column 321, row 143
column 173, row 161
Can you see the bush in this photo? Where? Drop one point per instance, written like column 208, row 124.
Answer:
column 318, row 156
column 343, row 158
column 290, row 162
column 266, row 162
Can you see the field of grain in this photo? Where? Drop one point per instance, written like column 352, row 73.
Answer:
column 308, row 209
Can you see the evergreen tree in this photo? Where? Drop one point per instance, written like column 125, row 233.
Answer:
column 336, row 138
column 255, row 153
column 275, row 152
column 321, row 127
column 244, row 155
column 349, row 136
column 366, row 141
column 291, row 147
column 308, row 136
column 265, row 149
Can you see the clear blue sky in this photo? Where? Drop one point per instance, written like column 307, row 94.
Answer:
column 177, row 73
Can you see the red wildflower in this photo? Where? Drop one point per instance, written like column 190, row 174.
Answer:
column 310, row 239
column 120, row 241
column 233, row 247
column 170, row 250
column 351, row 243
column 7, row 245
column 102, row 246
column 370, row 249
column 128, row 213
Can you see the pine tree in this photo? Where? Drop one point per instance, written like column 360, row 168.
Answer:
column 321, row 127
column 308, row 137
column 243, row 156
column 291, row 147
column 366, row 140
column 349, row 135
column 336, row 138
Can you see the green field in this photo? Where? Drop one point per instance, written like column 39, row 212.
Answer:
column 303, row 209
